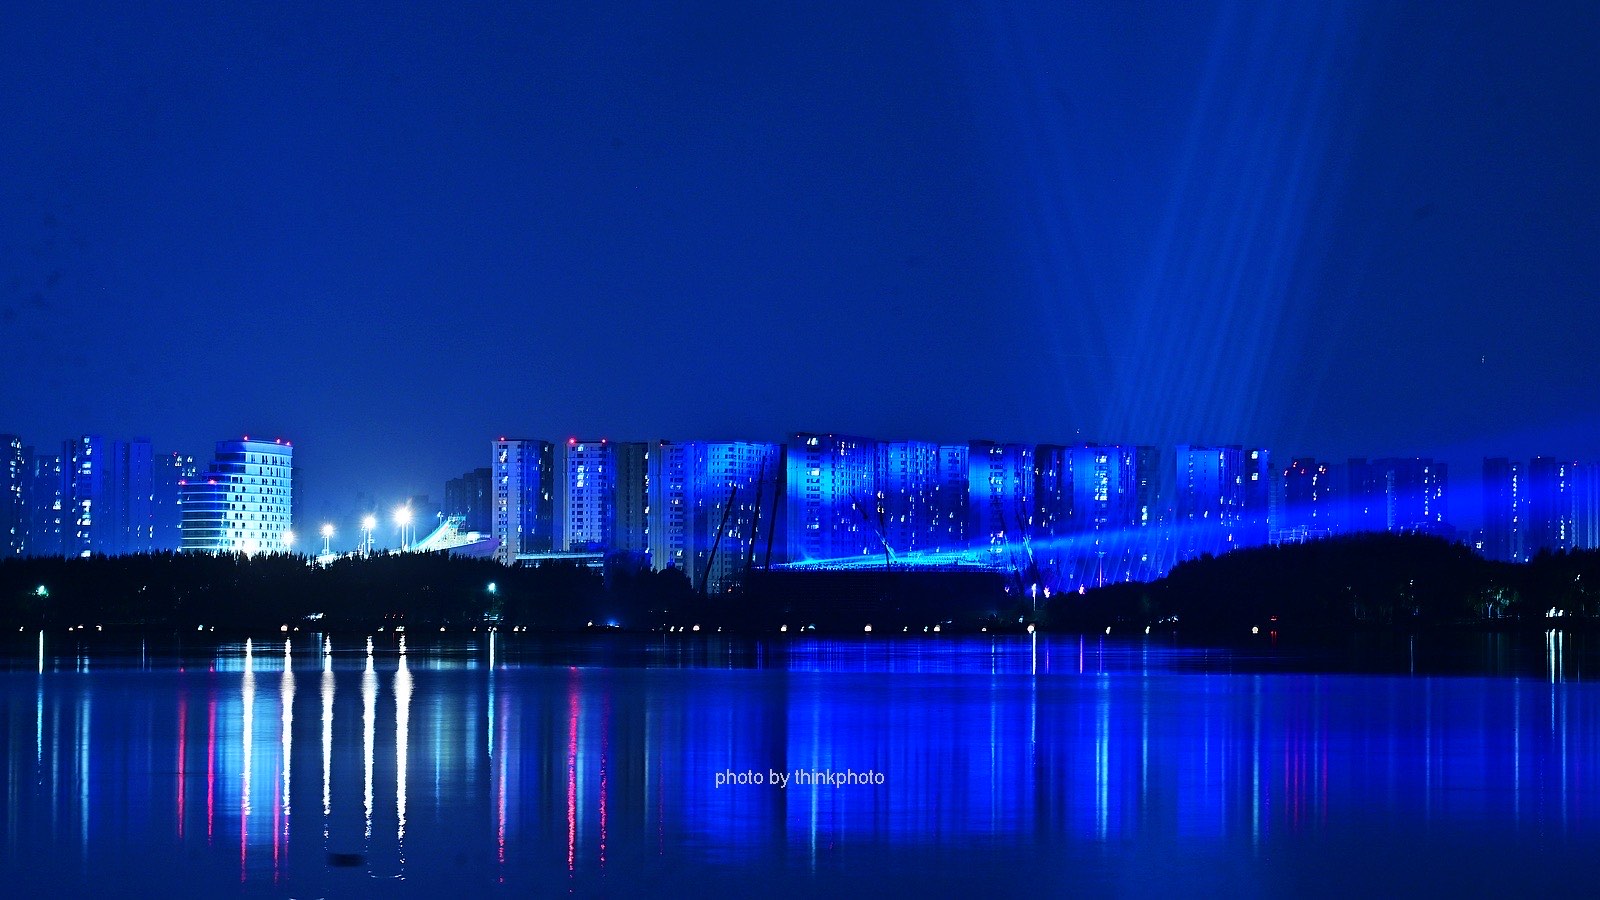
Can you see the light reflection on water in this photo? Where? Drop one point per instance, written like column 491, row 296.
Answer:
column 1008, row 764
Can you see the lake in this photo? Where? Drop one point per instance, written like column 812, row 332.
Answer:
column 674, row 764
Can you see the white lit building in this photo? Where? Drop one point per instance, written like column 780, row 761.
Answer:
column 242, row 502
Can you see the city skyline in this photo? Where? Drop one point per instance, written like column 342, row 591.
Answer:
column 1058, row 516
column 1359, row 229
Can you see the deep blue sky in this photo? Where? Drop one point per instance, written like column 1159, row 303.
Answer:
column 393, row 234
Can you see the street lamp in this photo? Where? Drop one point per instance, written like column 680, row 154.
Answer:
column 402, row 517
column 368, row 523
column 327, row 538
column 288, row 540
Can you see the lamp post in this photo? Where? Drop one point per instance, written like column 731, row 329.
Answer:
column 368, row 523
column 402, row 517
column 288, row 541
column 327, row 538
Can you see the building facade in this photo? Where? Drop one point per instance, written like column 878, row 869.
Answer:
column 999, row 495
column 714, row 507
column 832, row 497
column 472, row 498
column 1505, row 502
column 631, row 462
column 1552, row 493
column 243, row 502
column 585, row 497
column 524, row 502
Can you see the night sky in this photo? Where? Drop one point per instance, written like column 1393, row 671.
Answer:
column 392, row 235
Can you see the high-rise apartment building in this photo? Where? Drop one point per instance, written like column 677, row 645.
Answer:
column 108, row 489
column 1221, row 497
column 243, row 502
column 1311, row 501
column 1505, row 510
column 1586, row 506
column 13, row 497
column 472, row 498
column 1552, row 507
column 1000, row 482
column 631, row 459
column 585, row 496
column 524, row 501
column 832, row 497
column 172, row 472
column 713, row 508
column 46, row 499
column 668, row 517
column 920, row 500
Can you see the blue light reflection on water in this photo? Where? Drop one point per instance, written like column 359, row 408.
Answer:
column 1011, row 763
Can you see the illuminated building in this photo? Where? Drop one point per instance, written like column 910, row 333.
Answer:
column 1151, row 493
column 1398, row 494
column 585, row 496
column 1221, row 497
column 667, row 516
column 172, row 472
column 13, row 499
column 832, row 489
column 1311, row 501
column 524, row 509
column 1551, row 505
column 1088, row 488
column 713, row 508
column 999, row 493
column 243, row 501
column 108, row 489
column 46, row 504
column 1586, row 506
column 922, row 493
column 1505, row 507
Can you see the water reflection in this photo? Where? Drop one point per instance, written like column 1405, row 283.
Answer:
column 520, row 774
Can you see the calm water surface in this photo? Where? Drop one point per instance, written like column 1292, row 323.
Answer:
column 513, row 764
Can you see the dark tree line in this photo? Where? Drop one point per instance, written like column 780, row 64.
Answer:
column 184, row 591
column 1358, row 581
column 1354, row 582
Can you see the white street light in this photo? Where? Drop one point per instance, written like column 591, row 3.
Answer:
column 402, row 517
column 368, row 524
column 327, row 538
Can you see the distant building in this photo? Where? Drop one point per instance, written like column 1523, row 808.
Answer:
column 472, row 498
column 243, row 501
column 1505, row 508
column 1552, row 508
column 1401, row 494
column 668, row 518
column 524, row 503
column 1311, row 501
column 1222, row 496
column 1000, row 482
column 172, row 472
column 585, row 496
column 832, row 491
column 109, row 493
column 13, row 497
column 631, row 461
column 1586, row 506
column 46, row 498
column 712, row 507
column 132, row 495
column 920, row 497
column 1151, row 499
